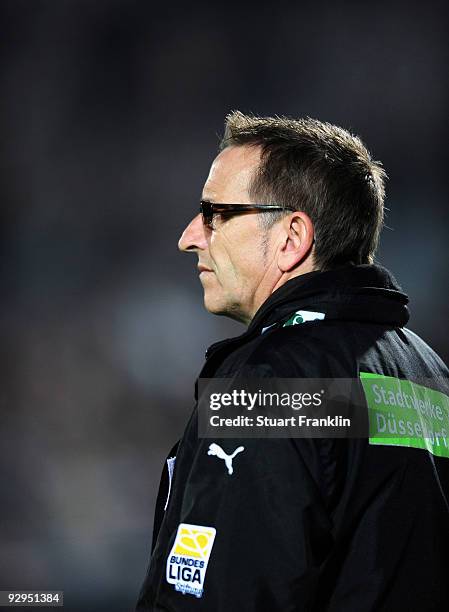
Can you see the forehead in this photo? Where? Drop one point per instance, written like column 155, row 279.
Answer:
column 230, row 175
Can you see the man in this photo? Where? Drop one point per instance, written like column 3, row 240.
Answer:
column 290, row 219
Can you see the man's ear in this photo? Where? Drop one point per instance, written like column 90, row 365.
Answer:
column 298, row 239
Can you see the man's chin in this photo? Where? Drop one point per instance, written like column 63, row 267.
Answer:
column 223, row 309
column 213, row 305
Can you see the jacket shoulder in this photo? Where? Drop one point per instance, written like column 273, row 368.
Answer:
column 312, row 350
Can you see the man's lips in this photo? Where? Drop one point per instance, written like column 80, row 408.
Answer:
column 202, row 268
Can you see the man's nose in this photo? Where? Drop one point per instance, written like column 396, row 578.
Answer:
column 194, row 236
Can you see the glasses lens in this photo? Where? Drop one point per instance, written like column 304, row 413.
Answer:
column 206, row 212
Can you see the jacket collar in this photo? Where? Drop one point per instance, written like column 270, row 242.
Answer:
column 366, row 293
column 356, row 293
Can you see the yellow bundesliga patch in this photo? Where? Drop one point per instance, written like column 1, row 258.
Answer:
column 188, row 558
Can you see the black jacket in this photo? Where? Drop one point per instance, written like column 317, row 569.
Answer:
column 311, row 524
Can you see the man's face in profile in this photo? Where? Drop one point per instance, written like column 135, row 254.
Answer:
column 233, row 269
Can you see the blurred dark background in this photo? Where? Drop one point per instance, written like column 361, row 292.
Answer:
column 110, row 113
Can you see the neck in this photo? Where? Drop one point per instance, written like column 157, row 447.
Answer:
column 265, row 290
column 305, row 268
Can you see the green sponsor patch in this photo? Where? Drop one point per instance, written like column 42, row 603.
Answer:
column 402, row 413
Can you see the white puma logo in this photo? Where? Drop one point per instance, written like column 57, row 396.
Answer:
column 216, row 450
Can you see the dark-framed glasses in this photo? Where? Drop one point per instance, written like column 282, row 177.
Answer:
column 209, row 209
